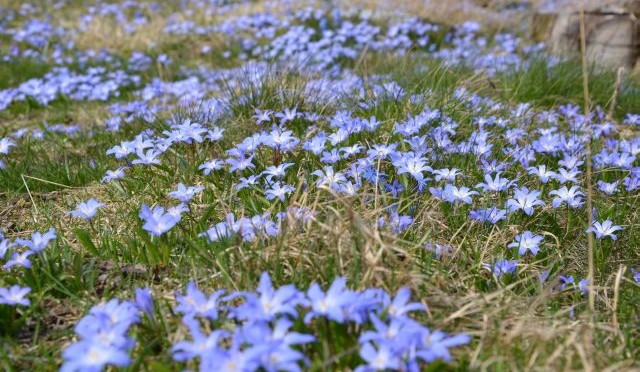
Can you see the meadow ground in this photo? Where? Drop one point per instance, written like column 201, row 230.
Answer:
column 292, row 185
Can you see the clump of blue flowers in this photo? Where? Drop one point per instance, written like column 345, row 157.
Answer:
column 267, row 329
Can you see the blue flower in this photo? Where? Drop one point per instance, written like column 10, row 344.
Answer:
column 194, row 303
column 114, row 175
column 240, row 163
column 414, row 165
column 281, row 333
column 15, row 295
column 287, row 115
column 282, row 140
column 279, row 191
column 5, row 244
column 524, row 200
column 566, row 280
column 351, row 150
column 211, row 165
column 632, row 119
column 124, row 149
column 5, row 145
column 604, row 229
column 184, row 194
column 148, row 157
column 378, row 359
column 19, row 259
column 608, row 188
column 144, row 301
column 103, row 338
column 394, row 188
column 527, row 241
column 157, row 222
column 446, row 174
column 331, row 304
column 270, row 302
column 38, row 241
column 502, row 267
column 541, row 171
column 330, row 157
column 435, row 345
column 453, row 194
column 381, row 151
column 583, row 286
column 273, row 346
column 220, row 231
column 636, row 275
column 399, row 223
column 202, row 344
column 396, row 331
column 493, row 215
column 93, row 356
column 495, row 184
column 563, row 176
column 277, row 171
column 316, row 144
column 400, row 305
column 572, row 196
column 87, row 210
column 262, row 116
column 235, row 358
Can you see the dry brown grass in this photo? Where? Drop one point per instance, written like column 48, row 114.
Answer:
column 85, row 114
column 523, row 334
column 108, row 34
column 446, row 12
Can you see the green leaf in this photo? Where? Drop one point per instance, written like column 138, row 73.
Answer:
column 85, row 239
